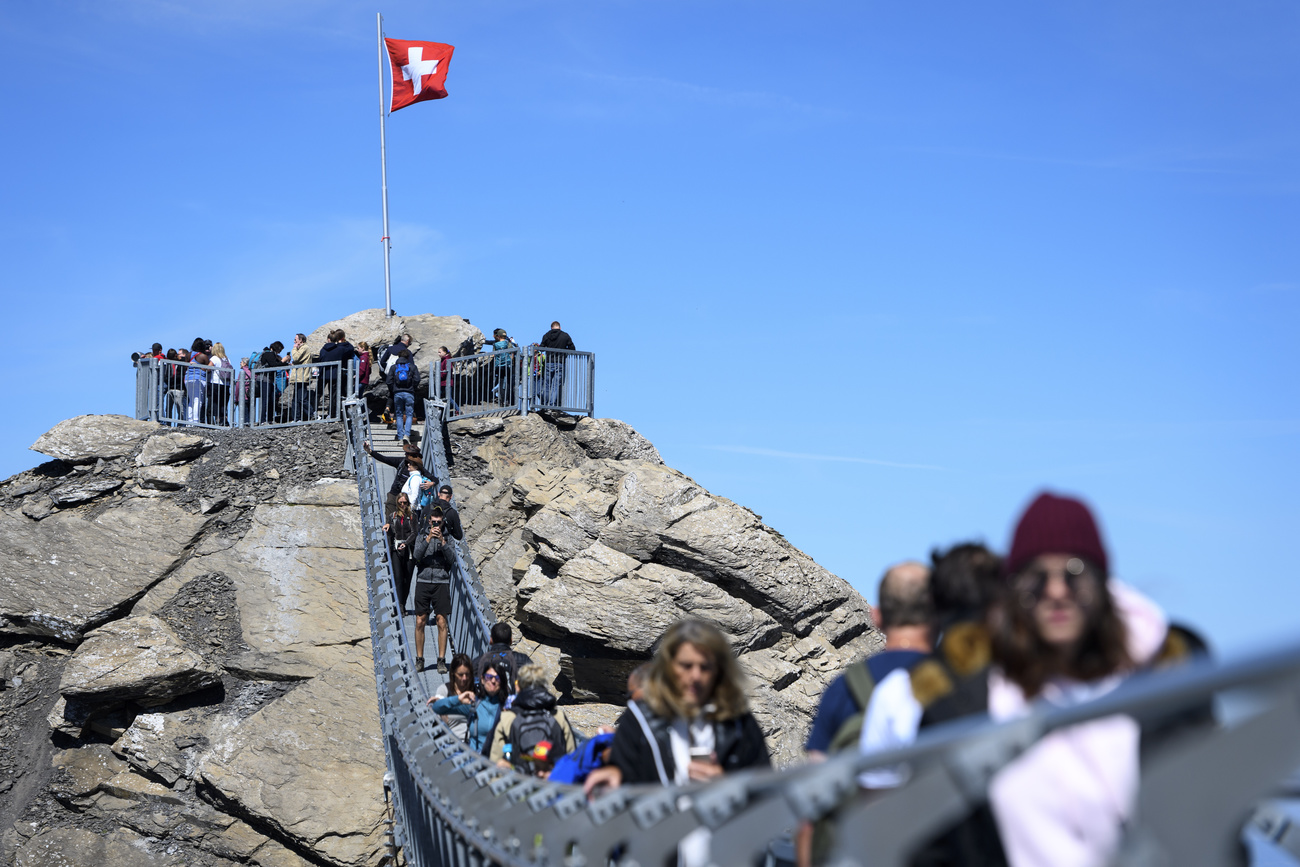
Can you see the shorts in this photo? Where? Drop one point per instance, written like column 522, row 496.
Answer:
column 433, row 597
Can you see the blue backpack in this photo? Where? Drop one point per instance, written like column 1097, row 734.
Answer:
column 402, row 372
column 573, row 767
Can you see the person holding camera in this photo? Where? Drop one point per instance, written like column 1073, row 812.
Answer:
column 434, row 558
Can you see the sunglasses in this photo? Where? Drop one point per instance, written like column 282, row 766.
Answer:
column 491, row 677
column 1078, row 575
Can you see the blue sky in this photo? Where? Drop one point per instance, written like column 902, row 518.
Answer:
column 877, row 271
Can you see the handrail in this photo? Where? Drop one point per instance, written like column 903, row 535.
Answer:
column 453, row 807
column 241, row 394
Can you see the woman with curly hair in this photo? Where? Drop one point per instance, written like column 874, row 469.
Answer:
column 694, row 722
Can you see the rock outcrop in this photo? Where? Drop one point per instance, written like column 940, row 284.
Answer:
column 88, row 438
column 592, row 546
column 427, row 332
column 219, row 687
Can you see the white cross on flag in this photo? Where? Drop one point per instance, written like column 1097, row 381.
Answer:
column 419, row 70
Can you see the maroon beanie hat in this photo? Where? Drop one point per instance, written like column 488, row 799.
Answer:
column 1055, row 525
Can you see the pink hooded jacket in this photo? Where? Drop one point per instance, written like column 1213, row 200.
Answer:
column 1065, row 802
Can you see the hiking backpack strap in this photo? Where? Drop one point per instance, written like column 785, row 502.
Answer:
column 861, row 684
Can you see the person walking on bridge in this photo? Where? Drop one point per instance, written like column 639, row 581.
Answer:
column 434, row 559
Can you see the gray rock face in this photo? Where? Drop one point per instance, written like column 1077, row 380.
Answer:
column 82, row 439
column 594, row 547
column 280, row 762
column 611, row 438
column 163, row 478
column 428, row 332
column 139, row 658
column 172, row 448
column 68, row 574
column 83, row 489
column 73, row 847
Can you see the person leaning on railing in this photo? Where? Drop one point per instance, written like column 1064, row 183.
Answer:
column 403, row 471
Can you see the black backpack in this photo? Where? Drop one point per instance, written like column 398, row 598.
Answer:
column 528, row 729
column 402, row 372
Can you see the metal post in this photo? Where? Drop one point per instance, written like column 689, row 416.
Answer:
column 383, row 169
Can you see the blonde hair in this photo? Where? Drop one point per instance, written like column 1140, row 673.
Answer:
column 531, row 675
column 219, row 351
column 661, row 690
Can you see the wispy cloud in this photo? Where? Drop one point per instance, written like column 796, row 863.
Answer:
column 805, row 456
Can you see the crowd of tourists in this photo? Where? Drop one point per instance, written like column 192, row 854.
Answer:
column 971, row 631
column 201, row 385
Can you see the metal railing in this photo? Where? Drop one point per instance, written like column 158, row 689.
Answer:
column 194, row 395
column 455, row 808
column 560, row 379
column 515, row 381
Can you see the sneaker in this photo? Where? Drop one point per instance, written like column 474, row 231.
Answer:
column 419, row 663
column 442, row 667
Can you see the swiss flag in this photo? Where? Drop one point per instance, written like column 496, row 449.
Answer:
column 419, row 70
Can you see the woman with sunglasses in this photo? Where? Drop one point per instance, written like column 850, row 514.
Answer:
column 1063, row 632
column 481, row 708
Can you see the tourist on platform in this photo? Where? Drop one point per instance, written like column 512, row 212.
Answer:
column 196, row 381
column 503, row 367
column 553, row 388
column 219, row 386
column 268, row 396
column 336, row 349
column 446, row 380
column 303, row 407
column 363, row 367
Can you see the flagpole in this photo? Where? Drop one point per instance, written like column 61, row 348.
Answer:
column 383, row 169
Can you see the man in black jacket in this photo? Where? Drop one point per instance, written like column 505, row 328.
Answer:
column 337, row 349
column 450, row 517
column 553, row 389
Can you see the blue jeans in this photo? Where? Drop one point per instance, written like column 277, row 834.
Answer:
column 554, row 383
column 403, row 408
column 194, row 393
